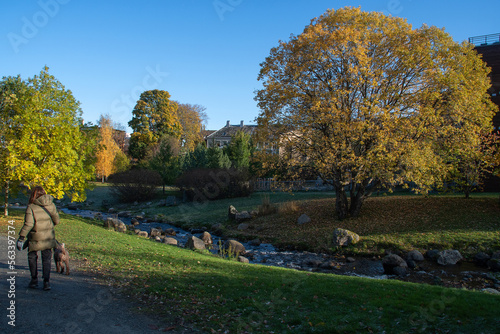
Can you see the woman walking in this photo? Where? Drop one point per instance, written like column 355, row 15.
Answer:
column 39, row 220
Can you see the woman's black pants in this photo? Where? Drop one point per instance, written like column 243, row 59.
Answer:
column 46, row 263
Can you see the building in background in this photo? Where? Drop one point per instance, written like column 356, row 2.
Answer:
column 222, row 137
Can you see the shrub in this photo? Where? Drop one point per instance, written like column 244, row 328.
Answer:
column 135, row 185
column 209, row 184
column 267, row 208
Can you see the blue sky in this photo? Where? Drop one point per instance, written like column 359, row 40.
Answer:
column 204, row 52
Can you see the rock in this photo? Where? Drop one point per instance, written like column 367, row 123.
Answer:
column 432, row 254
column 400, row 271
column 73, row 206
column 207, row 238
column 136, row 231
column 170, row 241
column 350, row 260
column 303, row 219
column 231, row 213
column 134, row 221
column 481, row 259
column 392, row 261
column 217, row 228
column 121, row 227
column 170, row 232
column 155, row 232
column 342, row 237
column 195, row 243
column 314, row 263
column 243, row 226
column 158, row 238
column 492, row 291
column 143, row 234
column 243, row 259
column 241, row 216
column 411, row 264
column 233, row 247
column 449, row 257
column 108, row 223
column 415, row 255
column 124, row 214
column 255, row 242
column 494, row 264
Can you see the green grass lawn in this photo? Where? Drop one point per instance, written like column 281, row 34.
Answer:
column 218, row 295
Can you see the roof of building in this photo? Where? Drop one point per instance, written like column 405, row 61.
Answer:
column 230, row 130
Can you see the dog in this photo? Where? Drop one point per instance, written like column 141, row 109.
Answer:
column 61, row 258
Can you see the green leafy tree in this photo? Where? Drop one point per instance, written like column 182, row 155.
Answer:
column 240, row 149
column 43, row 141
column 217, row 159
column 366, row 101
column 154, row 116
column 165, row 160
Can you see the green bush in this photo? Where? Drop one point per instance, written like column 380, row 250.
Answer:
column 203, row 184
column 135, row 185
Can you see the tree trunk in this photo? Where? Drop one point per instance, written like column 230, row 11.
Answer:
column 6, row 205
column 341, row 203
column 358, row 193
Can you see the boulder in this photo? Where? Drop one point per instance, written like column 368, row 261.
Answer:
column 243, row 226
column 231, row 213
column 449, row 257
column 207, row 238
column 195, row 243
column 170, row 241
column 303, row 219
column 415, row 255
column 121, row 227
column 241, row 216
column 494, row 264
column 73, row 206
column 255, row 242
column 481, row 259
column 143, row 234
column 108, row 223
column 342, row 237
column 134, row 221
column 217, row 228
column 432, row 254
column 243, row 259
column 393, row 261
column 170, row 232
column 124, row 214
column 492, row 291
column 155, row 232
column 233, row 247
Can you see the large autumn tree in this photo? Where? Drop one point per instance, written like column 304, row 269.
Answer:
column 42, row 141
column 192, row 118
column 154, row 116
column 364, row 100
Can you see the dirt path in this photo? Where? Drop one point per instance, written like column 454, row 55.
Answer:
column 78, row 303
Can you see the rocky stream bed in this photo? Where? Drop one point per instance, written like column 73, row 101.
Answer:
column 464, row 274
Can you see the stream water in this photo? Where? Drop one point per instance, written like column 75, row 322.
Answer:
column 262, row 253
column 463, row 275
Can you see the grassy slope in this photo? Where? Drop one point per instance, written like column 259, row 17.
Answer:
column 218, row 295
